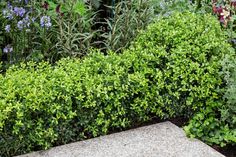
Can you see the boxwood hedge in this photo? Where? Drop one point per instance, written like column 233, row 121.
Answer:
column 171, row 69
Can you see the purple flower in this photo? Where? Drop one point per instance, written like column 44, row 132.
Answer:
column 5, row 50
column 9, row 6
column 19, row 11
column 45, row 21
column 20, row 25
column 26, row 21
column 8, row 28
column 8, row 49
column 8, row 14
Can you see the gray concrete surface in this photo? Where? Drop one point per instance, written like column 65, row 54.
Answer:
column 158, row 140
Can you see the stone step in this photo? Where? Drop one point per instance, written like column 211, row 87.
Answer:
column 158, row 140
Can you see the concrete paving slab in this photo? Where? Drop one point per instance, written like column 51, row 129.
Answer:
column 158, row 140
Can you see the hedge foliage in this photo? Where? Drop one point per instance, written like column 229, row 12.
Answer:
column 197, row 71
column 171, row 69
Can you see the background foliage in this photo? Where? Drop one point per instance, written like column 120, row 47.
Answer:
column 129, row 17
column 75, row 28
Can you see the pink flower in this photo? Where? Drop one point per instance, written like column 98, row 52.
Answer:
column 233, row 3
column 217, row 10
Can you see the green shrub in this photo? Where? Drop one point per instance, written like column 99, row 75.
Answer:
column 33, row 107
column 192, row 77
column 217, row 123
column 192, row 46
column 171, row 69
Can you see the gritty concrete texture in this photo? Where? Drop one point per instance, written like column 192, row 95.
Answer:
column 158, row 140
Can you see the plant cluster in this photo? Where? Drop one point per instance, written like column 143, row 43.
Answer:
column 172, row 69
column 225, row 10
column 50, row 30
column 23, row 27
column 73, row 32
column 216, row 124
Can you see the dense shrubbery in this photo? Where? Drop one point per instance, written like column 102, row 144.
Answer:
column 194, row 73
column 172, row 69
column 216, row 124
column 190, row 60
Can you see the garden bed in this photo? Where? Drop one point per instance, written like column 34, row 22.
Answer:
column 68, row 73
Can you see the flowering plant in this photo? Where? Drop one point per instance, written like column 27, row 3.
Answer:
column 25, row 24
column 225, row 10
column 45, row 30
